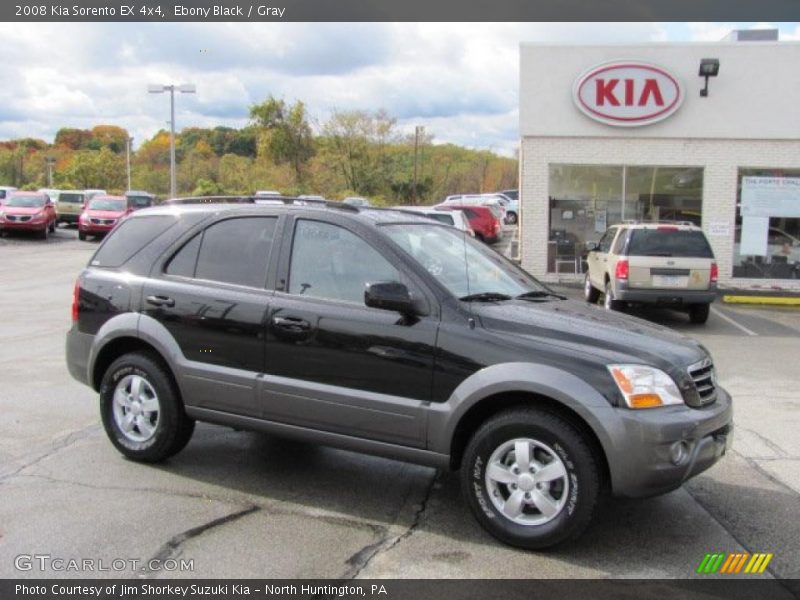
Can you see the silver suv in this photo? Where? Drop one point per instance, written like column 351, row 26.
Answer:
column 664, row 263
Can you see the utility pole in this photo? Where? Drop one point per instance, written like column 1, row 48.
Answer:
column 50, row 162
column 417, row 131
column 128, row 145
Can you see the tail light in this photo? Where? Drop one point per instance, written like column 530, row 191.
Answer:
column 622, row 270
column 714, row 272
column 76, row 292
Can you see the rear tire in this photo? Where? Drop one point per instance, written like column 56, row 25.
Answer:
column 511, row 218
column 698, row 313
column 590, row 293
column 141, row 409
column 500, row 478
column 609, row 302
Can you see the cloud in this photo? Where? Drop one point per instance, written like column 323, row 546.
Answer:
column 460, row 80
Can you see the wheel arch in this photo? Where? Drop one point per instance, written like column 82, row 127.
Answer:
column 501, row 387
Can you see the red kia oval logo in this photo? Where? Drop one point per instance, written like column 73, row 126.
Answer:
column 627, row 93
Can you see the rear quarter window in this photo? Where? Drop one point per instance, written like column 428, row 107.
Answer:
column 661, row 242
column 129, row 238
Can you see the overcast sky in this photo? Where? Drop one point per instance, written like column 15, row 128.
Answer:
column 458, row 80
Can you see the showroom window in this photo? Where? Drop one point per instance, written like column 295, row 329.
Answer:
column 586, row 199
column 767, row 237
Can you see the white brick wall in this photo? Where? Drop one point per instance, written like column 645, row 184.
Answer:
column 720, row 160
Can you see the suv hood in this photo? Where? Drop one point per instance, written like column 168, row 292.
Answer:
column 589, row 329
column 103, row 214
column 22, row 210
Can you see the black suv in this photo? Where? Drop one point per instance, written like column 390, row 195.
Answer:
column 392, row 334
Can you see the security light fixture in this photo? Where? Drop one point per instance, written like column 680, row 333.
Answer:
column 709, row 67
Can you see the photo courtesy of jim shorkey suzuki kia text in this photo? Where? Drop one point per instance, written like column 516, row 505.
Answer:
column 191, row 590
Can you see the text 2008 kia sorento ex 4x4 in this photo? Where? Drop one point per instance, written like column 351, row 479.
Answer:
column 388, row 333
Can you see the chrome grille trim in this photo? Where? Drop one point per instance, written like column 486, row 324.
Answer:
column 705, row 381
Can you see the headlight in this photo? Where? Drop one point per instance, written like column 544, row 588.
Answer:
column 645, row 387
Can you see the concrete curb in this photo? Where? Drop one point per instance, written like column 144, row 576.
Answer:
column 768, row 300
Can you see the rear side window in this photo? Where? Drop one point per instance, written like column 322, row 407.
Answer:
column 232, row 251
column 441, row 217
column 128, row 238
column 470, row 214
column 663, row 242
column 620, row 242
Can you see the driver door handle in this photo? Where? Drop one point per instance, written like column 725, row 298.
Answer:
column 293, row 324
column 160, row 301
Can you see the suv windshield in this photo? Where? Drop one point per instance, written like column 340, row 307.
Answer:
column 107, row 204
column 26, row 201
column 465, row 267
column 673, row 242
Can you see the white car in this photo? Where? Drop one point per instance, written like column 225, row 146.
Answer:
column 456, row 218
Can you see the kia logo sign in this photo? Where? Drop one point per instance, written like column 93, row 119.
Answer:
column 627, row 93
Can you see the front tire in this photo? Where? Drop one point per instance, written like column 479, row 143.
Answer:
column 590, row 293
column 511, row 218
column 82, row 236
column 141, row 409
column 698, row 313
column 530, row 479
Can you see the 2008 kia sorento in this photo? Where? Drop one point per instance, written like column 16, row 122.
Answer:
column 389, row 333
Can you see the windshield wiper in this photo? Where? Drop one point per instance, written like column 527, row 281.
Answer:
column 485, row 297
column 540, row 294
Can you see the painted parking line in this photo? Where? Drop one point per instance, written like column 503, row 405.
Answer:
column 739, row 326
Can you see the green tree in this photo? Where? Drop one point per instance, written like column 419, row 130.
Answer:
column 286, row 133
column 96, row 169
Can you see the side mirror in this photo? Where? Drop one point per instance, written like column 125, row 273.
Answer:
column 592, row 246
column 389, row 295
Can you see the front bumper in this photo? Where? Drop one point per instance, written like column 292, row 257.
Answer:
column 643, row 463
column 93, row 228
column 666, row 297
column 23, row 225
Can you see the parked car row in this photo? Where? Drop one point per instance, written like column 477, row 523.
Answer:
column 93, row 211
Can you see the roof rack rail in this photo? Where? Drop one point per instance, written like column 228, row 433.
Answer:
column 657, row 222
column 246, row 199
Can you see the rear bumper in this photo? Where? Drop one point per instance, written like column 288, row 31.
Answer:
column 79, row 346
column 644, row 463
column 668, row 297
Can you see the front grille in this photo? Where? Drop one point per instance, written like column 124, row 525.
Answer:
column 18, row 219
column 103, row 221
column 705, row 381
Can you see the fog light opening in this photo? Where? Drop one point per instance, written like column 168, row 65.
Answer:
column 678, row 452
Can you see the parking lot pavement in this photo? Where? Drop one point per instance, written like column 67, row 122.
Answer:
column 252, row 505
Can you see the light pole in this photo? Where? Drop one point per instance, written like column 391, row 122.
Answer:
column 184, row 88
column 418, row 130
column 50, row 162
column 128, row 145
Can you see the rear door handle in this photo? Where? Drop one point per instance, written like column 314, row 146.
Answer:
column 293, row 324
column 160, row 301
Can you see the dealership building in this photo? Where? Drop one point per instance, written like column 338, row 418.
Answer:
column 707, row 133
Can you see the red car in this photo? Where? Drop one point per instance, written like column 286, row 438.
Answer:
column 28, row 211
column 482, row 220
column 101, row 215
